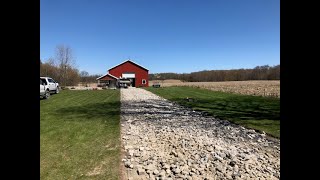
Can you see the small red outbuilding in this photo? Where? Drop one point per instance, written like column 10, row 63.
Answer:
column 137, row 74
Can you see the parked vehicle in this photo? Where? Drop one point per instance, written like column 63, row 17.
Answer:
column 52, row 85
column 123, row 85
column 156, row 85
column 44, row 90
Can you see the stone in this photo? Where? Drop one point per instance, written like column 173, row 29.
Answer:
column 127, row 164
column 155, row 172
column 141, row 171
column 131, row 152
column 128, row 147
column 217, row 157
column 166, row 166
column 184, row 172
column 220, row 169
column 174, row 153
column 230, row 155
column 151, row 176
column 150, row 167
column 148, row 171
column 210, row 149
column 179, row 154
column 193, row 170
column 177, row 170
column 217, row 148
column 181, row 144
column 162, row 173
column 232, row 163
column 197, row 157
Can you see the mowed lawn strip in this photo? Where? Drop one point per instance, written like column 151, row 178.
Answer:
column 260, row 113
column 80, row 135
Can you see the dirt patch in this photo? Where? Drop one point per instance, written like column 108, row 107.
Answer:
column 260, row 88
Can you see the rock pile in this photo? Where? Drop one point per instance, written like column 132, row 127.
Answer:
column 163, row 140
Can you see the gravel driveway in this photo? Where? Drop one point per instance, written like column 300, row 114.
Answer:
column 162, row 140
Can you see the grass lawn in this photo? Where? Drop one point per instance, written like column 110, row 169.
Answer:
column 80, row 135
column 260, row 113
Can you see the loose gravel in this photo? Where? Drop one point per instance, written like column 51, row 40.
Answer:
column 162, row 140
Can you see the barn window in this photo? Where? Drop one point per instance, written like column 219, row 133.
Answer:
column 144, row 81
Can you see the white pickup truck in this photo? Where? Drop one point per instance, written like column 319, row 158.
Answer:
column 44, row 90
column 49, row 86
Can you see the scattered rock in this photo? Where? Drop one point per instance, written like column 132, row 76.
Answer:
column 128, row 147
column 141, row 171
column 155, row 172
column 166, row 141
column 232, row 163
column 127, row 164
column 210, row 149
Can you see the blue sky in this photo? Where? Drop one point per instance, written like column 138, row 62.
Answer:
column 163, row 35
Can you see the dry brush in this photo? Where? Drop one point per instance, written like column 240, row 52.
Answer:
column 258, row 88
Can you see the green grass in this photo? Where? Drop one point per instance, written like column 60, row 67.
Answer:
column 260, row 113
column 80, row 135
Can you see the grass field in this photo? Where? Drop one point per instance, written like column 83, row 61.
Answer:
column 259, row 88
column 80, row 135
column 260, row 113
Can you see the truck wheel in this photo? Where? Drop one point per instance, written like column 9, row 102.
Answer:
column 57, row 90
column 47, row 94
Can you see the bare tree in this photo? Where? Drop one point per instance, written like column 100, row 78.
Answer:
column 41, row 68
column 84, row 74
column 48, row 68
column 265, row 72
column 65, row 61
column 84, row 77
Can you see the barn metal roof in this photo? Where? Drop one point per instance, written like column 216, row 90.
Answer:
column 131, row 62
column 106, row 75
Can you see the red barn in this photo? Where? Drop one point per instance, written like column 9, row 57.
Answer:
column 128, row 70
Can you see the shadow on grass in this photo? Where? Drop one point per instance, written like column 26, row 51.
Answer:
column 254, row 113
column 93, row 111
column 236, row 108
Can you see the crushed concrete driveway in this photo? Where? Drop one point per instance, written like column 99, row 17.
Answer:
column 162, row 140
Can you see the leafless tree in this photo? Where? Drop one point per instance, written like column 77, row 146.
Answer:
column 65, row 61
column 84, row 74
column 49, row 69
column 84, row 77
column 265, row 72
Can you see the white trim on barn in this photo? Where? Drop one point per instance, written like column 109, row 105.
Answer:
column 128, row 75
column 107, row 75
column 131, row 62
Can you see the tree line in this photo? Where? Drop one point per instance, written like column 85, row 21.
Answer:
column 63, row 68
column 265, row 72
